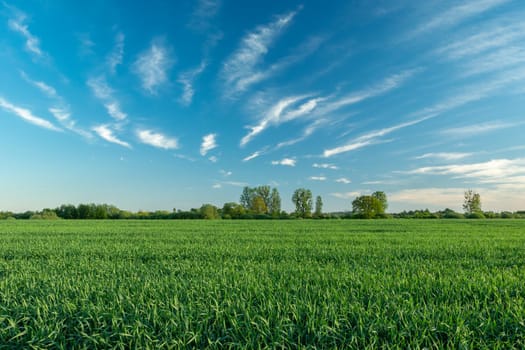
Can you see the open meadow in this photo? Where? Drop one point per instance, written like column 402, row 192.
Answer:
column 291, row 284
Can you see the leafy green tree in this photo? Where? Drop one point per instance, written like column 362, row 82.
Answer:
column 209, row 212
column 472, row 202
column 275, row 203
column 258, row 205
column 318, row 207
column 232, row 210
column 302, row 199
column 247, row 197
column 381, row 196
column 265, row 193
column 367, row 207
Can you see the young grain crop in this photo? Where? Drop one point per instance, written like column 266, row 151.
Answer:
column 255, row 284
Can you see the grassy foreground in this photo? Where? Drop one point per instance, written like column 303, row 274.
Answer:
column 291, row 284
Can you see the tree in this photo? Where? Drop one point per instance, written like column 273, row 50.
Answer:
column 264, row 193
column 258, row 205
column 302, row 198
column 381, row 196
column 246, row 197
column 472, row 203
column 275, row 203
column 318, row 207
column 367, row 207
column 209, row 212
column 232, row 210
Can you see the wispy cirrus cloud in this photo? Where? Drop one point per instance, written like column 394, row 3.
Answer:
column 60, row 110
column 114, row 59
column 388, row 84
column 485, row 171
column 157, row 139
column 239, row 71
column 153, row 65
column 204, row 11
column 370, row 138
column 253, row 156
column 477, row 129
column 209, row 142
column 317, row 178
column 325, row 166
column 42, row 86
column 280, row 113
column 495, row 35
column 444, row 156
column 186, row 79
column 105, row 93
column 454, row 15
column 18, row 24
column 346, row 195
column 105, row 132
column 285, row 161
column 343, row 180
column 27, row 115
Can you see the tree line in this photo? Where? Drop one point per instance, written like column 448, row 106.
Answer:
column 264, row 202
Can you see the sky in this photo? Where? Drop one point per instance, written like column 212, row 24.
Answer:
column 172, row 104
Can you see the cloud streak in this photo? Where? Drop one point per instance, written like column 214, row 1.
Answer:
column 27, row 115
column 239, row 71
column 103, row 92
column 153, row 65
column 115, row 58
column 105, row 132
column 186, row 79
column 157, row 139
column 209, row 142
column 18, row 25
column 286, row 162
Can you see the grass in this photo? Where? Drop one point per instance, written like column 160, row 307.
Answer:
column 258, row 284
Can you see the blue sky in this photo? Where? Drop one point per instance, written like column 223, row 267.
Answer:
column 171, row 104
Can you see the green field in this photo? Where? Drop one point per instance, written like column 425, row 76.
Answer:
column 291, row 284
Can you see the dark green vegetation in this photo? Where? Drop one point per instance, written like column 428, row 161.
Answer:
column 292, row 284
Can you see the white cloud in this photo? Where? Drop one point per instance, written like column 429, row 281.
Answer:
column 225, row 173
column 370, row 138
column 444, row 156
column 239, row 71
column 100, row 88
column 208, row 143
column 204, row 11
column 480, row 128
column 317, row 178
column 107, row 134
column 495, row 36
column 156, row 139
column 186, row 79
column 103, row 92
column 114, row 110
column 217, row 186
column 346, row 195
column 27, row 115
column 275, row 116
column 213, row 159
column 17, row 24
column 252, row 156
column 45, row 88
column 63, row 115
column 455, row 15
column 325, row 166
column 490, row 170
column 285, row 162
column 115, row 58
column 390, row 83
column 343, row 180
column 153, row 65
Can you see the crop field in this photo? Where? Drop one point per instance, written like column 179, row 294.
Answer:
column 263, row 284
